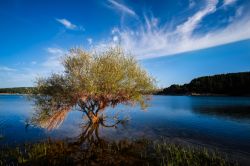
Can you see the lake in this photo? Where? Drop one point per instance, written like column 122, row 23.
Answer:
column 218, row 122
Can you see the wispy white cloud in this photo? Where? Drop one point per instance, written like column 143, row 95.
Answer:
column 237, row 15
column 115, row 38
column 153, row 40
column 55, row 50
column 69, row 25
column 90, row 41
column 189, row 26
column 229, row 2
column 115, row 30
column 6, row 69
column 26, row 75
column 239, row 11
column 121, row 7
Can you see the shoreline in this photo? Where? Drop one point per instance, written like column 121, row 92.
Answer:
column 203, row 95
column 13, row 94
column 192, row 95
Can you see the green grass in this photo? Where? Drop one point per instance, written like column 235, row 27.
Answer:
column 139, row 152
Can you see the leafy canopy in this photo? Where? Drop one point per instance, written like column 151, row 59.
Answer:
column 93, row 81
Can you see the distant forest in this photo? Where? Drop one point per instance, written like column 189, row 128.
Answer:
column 235, row 84
column 21, row 90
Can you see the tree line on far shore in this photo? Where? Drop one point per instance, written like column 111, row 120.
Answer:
column 17, row 90
column 234, row 84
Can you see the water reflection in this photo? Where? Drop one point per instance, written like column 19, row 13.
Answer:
column 91, row 132
column 211, row 121
column 51, row 119
column 233, row 108
column 231, row 112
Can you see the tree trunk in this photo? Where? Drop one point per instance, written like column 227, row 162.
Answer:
column 93, row 118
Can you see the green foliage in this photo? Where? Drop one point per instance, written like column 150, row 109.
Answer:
column 225, row 84
column 92, row 82
column 109, row 73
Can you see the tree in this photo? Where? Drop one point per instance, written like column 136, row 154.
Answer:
column 90, row 83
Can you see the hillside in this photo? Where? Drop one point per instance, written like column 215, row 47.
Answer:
column 235, row 84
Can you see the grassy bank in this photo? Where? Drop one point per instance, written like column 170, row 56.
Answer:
column 139, row 152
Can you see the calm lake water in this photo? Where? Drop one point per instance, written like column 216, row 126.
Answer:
column 219, row 122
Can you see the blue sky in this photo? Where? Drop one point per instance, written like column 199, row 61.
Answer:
column 175, row 41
